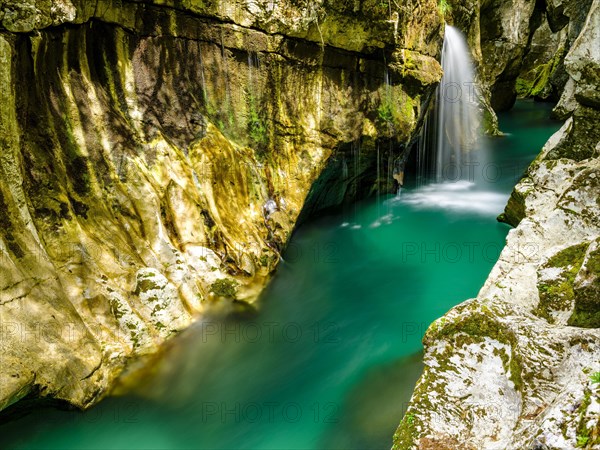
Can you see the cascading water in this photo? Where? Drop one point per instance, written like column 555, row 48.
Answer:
column 452, row 129
column 454, row 172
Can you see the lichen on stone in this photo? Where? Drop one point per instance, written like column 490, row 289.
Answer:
column 556, row 281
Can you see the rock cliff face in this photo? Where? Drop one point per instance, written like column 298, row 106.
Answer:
column 518, row 367
column 156, row 156
column 522, row 45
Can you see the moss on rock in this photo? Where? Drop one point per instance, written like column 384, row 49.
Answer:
column 225, row 287
column 556, row 290
column 514, row 211
column 480, row 322
column 586, row 313
column 536, row 82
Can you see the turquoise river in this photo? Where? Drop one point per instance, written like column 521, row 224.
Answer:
column 330, row 357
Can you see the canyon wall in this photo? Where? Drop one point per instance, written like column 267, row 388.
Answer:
column 155, row 157
column 523, row 47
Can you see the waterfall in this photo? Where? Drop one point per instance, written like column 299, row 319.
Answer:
column 452, row 129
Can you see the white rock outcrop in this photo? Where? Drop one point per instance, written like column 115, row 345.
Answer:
column 519, row 366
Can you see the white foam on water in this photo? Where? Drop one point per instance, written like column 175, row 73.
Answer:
column 352, row 226
column 384, row 220
column 460, row 196
column 461, row 185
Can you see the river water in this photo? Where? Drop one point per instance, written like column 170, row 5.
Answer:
column 330, row 358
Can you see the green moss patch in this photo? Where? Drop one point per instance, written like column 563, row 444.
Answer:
column 257, row 127
column 405, row 435
column 395, row 115
column 558, row 294
column 145, row 285
column 535, row 82
column 481, row 324
column 586, row 313
column 586, row 437
column 225, row 287
column 514, row 211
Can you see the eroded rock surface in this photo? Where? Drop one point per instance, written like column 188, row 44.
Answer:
column 523, row 48
column 155, row 157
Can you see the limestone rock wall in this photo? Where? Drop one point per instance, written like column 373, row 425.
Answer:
column 521, row 46
column 155, row 157
column 543, row 74
column 518, row 366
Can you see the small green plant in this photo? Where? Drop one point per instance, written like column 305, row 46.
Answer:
column 595, row 377
column 582, row 440
column 385, row 113
column 410, row 418
column 386, row 6
column 257, row 128
column 224, row 287
column 444, row 7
